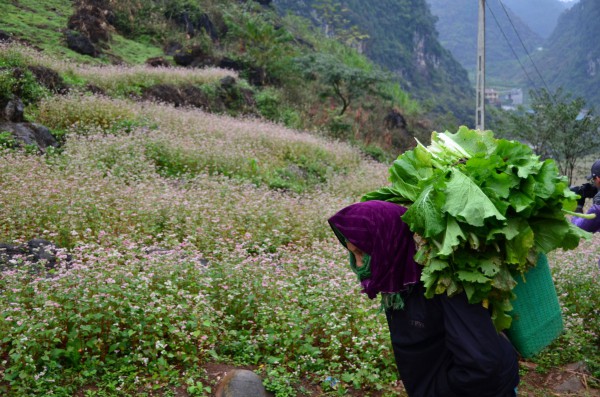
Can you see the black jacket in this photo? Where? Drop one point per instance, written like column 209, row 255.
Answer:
column 446, row 347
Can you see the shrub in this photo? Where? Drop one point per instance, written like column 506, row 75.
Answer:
column 87, row 115
column 7, row 141
column 21, row 83
column 269, row 104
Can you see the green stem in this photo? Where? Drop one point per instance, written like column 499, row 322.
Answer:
column 579, row 214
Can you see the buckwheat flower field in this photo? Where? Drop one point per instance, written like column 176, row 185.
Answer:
column 189, row 238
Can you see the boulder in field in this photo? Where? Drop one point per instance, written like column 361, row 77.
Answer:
column 13, row 111
column 241, row 383
column 35, row 251
column 158, row 62
column 81, row 44
column 30, row 134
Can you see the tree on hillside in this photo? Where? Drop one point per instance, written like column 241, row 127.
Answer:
column 342, row 82
column 333, row 17
column 557, row 127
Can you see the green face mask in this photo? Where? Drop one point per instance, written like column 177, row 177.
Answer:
column 363, row 272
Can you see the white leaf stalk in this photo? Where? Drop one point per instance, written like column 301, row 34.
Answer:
column 444, row 150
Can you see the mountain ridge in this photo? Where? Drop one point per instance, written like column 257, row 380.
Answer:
column 457, row 24
column 571, row 55
column 401, row 36
column 540, row 15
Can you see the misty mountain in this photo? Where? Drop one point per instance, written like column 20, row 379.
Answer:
column 571, row 55
column 507, row 36
column 399, row 35
column 540, row 15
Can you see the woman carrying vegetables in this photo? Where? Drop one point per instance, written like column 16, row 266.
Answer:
column 443, row 346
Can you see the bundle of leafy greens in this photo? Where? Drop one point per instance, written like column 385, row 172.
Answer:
column 483, row 209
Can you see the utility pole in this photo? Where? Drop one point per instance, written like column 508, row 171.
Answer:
column 480, row 109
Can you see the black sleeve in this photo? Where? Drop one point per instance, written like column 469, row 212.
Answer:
column 484, row 362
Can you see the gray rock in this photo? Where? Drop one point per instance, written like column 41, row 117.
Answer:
column 572, row 382
column 13, row 111
column 4, row 36
column 81, row 44
column 42, row 250
column 35, row 252
column 571, row 385
column 30, row 134
column 241, row 383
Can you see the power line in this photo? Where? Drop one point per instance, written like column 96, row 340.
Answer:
column 523, row 44
column 511, row 47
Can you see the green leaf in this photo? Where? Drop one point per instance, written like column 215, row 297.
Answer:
column 472, row 277
column 490, row 267
column 500, row 319
column 470, row 291
column 574, row 236
column 510, row 230
column 454, row 288
column 489, row 173
column 520, row 201
column 428, row 282
column 389, row 193
column 550, row 233
column 519, row 156
column 410, row 169
column 442, row 284
column 546, row 179
column 485, row 209
column 452, row 237
column 437, row 265
column 501, row 183
column 274, row 360
column 504, row 280
column 473, row 141
column 425, row 215
column 518, row 247
column 467, row 202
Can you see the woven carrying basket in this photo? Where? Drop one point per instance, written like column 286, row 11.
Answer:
column 536, row 313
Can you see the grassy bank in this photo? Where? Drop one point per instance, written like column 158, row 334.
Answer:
column 190, row 238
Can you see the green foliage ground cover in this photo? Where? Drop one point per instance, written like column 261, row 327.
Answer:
column 37, row 22
column 244, row 32
column 42, row 25
column 16, row 80
column 185, row 249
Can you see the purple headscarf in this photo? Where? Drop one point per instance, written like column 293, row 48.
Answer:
column 376, row 228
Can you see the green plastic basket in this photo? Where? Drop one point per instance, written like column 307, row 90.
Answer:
column 537, row 318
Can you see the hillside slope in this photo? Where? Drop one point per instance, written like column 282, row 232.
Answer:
column 540, row 15
column 571, row 56
column 185, row 244
column 399, row 35
column 349, row 97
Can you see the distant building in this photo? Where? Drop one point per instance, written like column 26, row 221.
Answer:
column 508, row 100
column 492, row 97
column 513, row 97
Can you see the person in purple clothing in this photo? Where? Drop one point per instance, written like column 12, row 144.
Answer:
column 443, row 346
column 592, row 225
